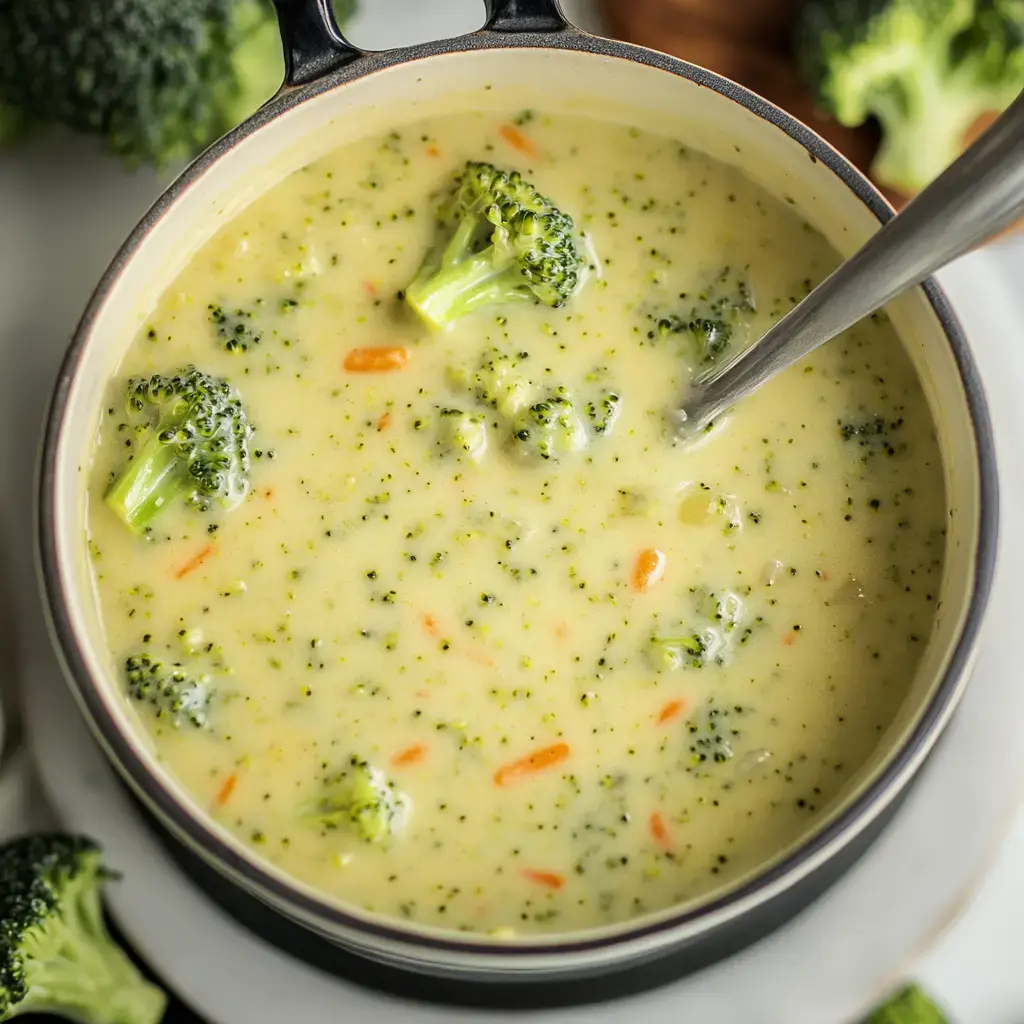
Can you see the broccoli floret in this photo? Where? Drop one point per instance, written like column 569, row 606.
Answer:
column 722, row 614
column 497, row 381
column 236, row 329
column 671, row 652
column 926, row 69
column 463, row 434
column 56, row 955
column 504, row 242
column 174, row 691
column 549, row 429
column 362, row 799
column 910, row 1006
column 712, row 734
column 604, row 413
column 193, row 445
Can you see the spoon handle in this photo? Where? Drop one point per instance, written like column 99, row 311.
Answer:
column 976, row 196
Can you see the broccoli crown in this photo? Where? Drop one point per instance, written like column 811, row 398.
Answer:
column 157, row 81
column 550, row 428
column 504, row 242
column 361, row 799
column 194, row 445
column 462, row 433
column 927, row 69
column 174, row 691
column 56, row 955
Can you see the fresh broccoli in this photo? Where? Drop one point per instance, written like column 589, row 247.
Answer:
column 235, row 329
column 174, row 691
column 193, row 444
column 926, row 69
column 56, row 955
column 462, row 433
column 910, row 1006
column 504, row 242
column 360, row 798
column 157, row 81
column 549, row 429
column 721, row 614
column 667, row 653
column 497, row 381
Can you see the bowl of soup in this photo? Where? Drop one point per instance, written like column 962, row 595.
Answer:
column 380, row 575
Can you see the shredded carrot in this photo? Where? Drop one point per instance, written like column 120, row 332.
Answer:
column 519, row 141
column 194, row 562
column 378, row 359
column 549, row 879
column 384, row 422
column 479, row 657
column 411, row 755
column 659, row 831
column 226, row 789
column 671, row 710
column 432, row 150
column 562, row 630
column 430, row 624
column 370, row 288
column 540, row 759
column 789, row 639
column 649, row 568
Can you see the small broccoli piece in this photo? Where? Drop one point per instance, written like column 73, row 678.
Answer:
column 56, row 955
column 235, row 329
column 497, row 381
column 910, row 1006
column 549, row 429
column 193, row 446
column 712, row 734
column 504, row 243
column 362, row 799
column 723, row 612
column 874, row 435
column 926, row 69
column 604, row 413
column 668, row 653
column 174, row 691
column 462, row 433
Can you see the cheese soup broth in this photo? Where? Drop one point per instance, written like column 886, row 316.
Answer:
column 592, row 685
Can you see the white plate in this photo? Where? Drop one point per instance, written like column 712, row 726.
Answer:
column 825, row 967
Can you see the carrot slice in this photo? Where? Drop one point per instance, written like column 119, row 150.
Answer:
column 430, row 624
column 376, row 359
column 671, row 710
column 549, row 879
column 540, row 759
column 226, row 789
column 194, row 562
column 384, row 422
column 519, row 141
column 659, row 831
column 649, row 569
column 411, row 755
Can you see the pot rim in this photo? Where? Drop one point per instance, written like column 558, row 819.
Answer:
column 184, row 818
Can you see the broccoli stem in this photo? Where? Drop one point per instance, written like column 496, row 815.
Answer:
column 458, row 288
column 81, row 974
column 925, row 123
column 149, row 482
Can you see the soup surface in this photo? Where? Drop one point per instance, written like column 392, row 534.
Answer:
column 480, row 647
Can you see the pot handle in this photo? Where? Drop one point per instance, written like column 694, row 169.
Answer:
column 313, row 43
column 524, row 16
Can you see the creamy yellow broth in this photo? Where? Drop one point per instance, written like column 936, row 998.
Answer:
column 444, row 614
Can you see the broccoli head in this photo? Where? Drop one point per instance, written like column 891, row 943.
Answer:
column 549, row 429
column 361, row 799
column 56, row 955
column 926, row 69
column 175, row 692
column 504, row 242
column 463, row 434
column 193, row 445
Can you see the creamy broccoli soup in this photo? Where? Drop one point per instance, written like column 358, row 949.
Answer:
column 406, row 581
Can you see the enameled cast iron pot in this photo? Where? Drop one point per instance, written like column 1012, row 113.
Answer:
column 527, row 55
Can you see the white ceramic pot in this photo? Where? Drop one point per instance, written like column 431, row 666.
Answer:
column 527, row 56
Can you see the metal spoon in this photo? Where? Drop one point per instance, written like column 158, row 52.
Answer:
column 979, row 194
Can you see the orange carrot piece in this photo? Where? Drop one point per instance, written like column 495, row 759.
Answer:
column 430, row 624
column 540, row 759
column 411, row 755
column 649, row 569
column 659, row 831
column 226, row 789
column 789, row 639
column 432, row 150
column 519, row 141
column 377, row 359
column 549, row 879
column 479, row 657
column 384, row 422
column 562, row 631
column 370, row 288
column 671, row 710
column 194, row 562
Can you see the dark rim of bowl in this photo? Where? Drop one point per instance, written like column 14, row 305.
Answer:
column 185, row 820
